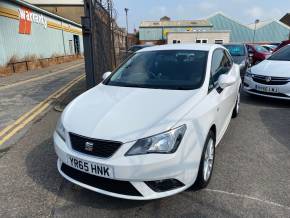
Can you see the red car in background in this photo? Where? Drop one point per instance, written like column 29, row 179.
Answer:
column 257, row 53
column 282, row 44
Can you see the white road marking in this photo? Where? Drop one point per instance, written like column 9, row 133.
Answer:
column 248, row 197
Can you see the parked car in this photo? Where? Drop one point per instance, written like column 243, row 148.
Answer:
column 270, row 48
column 135, row 48
column 271, row 78
column 240, row 56
column 258, row 53
column 282, row 44
column 150, row 129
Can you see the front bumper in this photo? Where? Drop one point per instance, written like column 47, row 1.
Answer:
column 132, row 172
column 250, row 87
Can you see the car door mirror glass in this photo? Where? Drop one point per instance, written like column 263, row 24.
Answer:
column 106, row 75
column 226, row 80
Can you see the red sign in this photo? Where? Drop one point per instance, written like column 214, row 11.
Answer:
column 24, row 24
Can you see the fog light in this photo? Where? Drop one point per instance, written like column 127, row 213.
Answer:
column 164, row 185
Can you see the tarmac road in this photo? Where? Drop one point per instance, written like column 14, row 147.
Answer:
column 251, row 175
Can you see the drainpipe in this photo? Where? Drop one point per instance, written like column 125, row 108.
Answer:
column 63, row 42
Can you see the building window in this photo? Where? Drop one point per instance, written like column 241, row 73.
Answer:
column 218, row 41
column 201, row 41
column 174, row 41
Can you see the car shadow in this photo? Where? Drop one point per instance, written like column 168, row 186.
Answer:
column 73, row 200
column 264, row 101
column 41, row 167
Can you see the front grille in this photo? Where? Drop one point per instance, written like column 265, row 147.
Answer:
column 95, row 147
column 164, row 185
column 273, row 81
column 110, row 185
column 270, row 94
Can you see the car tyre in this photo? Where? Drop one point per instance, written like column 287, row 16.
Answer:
column 206, row 163
column 237, row 105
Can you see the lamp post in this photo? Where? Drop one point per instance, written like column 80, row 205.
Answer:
column 126, row 11
column 256, row 22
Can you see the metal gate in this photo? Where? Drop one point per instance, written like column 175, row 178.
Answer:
column 98, row 39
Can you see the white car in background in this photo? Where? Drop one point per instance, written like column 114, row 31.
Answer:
column 150, row 129
column 271, row 77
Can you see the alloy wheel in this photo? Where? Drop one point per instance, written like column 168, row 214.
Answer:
column 238, row 102
column 208, row 160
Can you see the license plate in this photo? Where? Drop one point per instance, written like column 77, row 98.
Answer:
column 91, row 168
column 267, row 89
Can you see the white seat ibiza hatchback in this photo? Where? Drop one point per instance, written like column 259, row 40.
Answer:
column 150, row 129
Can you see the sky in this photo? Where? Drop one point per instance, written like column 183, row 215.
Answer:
column 244, row 11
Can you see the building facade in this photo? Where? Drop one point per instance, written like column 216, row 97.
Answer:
column 28, row 31
column 203, row 37
column 263, row 32
column 211, row 28
column 286, row 19
column 69, row 9
column 156, row 32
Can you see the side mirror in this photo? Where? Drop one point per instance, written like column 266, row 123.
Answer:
column 226, row 80
column 106, row 75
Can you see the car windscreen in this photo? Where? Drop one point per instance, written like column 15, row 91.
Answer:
column 166, row 69
column 260, row 48
column 236, row 50
column 282, row 54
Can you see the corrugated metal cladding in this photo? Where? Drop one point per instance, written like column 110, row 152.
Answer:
column 274, row 31
column 58, row 38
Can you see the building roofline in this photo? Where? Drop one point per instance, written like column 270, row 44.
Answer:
column 26, row 4
column 204, row 31
column 183, row 23
column 268, row 22
column 281, row 23
column 223, row 14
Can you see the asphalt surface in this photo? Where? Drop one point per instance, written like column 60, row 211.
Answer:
column 251, row 174
column 19, row 93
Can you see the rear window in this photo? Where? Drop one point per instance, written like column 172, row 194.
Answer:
column 236, row 50
column 260, row 48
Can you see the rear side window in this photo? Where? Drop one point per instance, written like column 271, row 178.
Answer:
column 221, row 64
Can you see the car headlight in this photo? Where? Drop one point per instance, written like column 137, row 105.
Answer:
column 60, row 129
column 166, row 142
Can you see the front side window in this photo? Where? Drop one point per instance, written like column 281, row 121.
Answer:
column 221, row 64
column 282, row 54
column 167, row 69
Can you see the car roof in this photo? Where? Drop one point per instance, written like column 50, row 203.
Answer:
column 192, row 46
column 141, row 46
